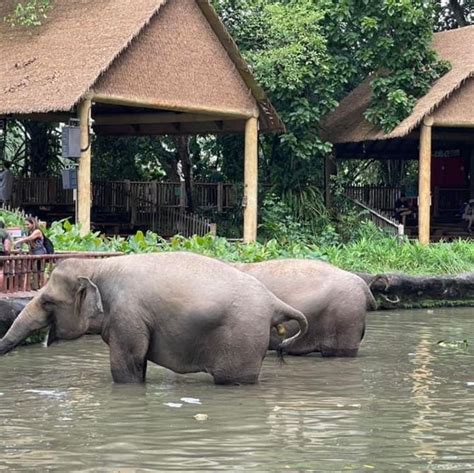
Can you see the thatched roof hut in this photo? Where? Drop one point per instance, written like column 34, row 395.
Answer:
column 137, row 67
column 439, row 117
column 446, row 100
column 172, row 55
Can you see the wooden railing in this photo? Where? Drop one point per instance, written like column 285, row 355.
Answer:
column 375, row 197
column 24, row 273
column 119, row 196
column 381, row 220
column 168, row 221
column 449, row 201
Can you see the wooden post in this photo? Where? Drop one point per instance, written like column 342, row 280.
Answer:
column 220, row 196
column 424, row 182
column 84, row 170
column 182, row 195
column 251, row 180
column 330, row 169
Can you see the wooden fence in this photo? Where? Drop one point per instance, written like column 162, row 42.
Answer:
column 24, row 273
column 120, row 196
column 375, row 197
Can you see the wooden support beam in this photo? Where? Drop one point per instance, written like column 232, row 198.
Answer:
column 424, row 182
column 83, row 217
column 142, row 103
column 51, row 117
column 442, row 122
column 251, row 180
column 156, row 129
column 152, row 118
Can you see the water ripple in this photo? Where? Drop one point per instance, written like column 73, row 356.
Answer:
column 405, row 403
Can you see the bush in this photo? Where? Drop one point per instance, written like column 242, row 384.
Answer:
column 371, row 250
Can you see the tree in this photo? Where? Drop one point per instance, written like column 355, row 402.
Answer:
column 308, row 54
column 454, row 14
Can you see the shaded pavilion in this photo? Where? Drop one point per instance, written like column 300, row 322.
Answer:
column 142, row 67
column 438, row 133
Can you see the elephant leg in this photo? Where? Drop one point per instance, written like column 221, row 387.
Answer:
column 128, row 360
column 238, row 369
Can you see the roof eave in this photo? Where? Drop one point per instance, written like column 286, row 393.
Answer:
column 269, row 118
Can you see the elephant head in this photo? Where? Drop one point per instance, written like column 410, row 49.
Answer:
column 68, row 305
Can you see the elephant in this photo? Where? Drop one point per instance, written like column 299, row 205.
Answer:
column 185, row 312
column 9, row 310
column 334, row 302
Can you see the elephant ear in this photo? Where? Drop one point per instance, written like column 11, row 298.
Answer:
column 88, row 302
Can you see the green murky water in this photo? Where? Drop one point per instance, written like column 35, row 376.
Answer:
column 405, row 403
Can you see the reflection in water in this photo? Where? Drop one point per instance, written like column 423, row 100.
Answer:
column 403, row 404
column 423, row 386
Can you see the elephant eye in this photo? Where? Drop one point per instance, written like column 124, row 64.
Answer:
column 47, row 302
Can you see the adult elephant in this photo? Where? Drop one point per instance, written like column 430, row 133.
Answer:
column 186, row 312
column 9, row 310
column 334, row 302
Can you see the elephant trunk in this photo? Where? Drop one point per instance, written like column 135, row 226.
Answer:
column 31, row 318
column 285, row 314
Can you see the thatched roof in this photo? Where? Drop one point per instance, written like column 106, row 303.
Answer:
column 175, row 54
column 346, row 124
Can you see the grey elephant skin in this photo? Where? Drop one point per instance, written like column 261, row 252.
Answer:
column 9, row 310
column 186, row 312
column 334, row 302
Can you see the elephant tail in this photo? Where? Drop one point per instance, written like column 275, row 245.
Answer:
column 285, row 313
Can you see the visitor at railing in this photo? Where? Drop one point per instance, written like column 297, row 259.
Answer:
column 468, row 214
column 5, row 247
column 403, row 209
column 34, row 239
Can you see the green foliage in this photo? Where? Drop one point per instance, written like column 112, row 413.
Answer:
column 307, row 55
column 29, row 13
column 12, row 218
column 370, row 250
column 373, row 251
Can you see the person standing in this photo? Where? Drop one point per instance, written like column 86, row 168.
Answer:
column 5, row 248
column 34, row 238
column 6, row 183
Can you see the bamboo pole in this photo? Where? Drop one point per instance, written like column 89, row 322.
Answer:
column 424, row 182
column 83, row 216
column 251, row 180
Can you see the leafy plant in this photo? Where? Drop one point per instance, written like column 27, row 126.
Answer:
column 29, row 13
column 370, row 250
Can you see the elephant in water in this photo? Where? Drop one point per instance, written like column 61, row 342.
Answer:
column 9, row 310
column 334, row 302
column 186, row 312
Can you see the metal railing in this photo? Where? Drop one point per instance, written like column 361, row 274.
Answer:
column 25, row 273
